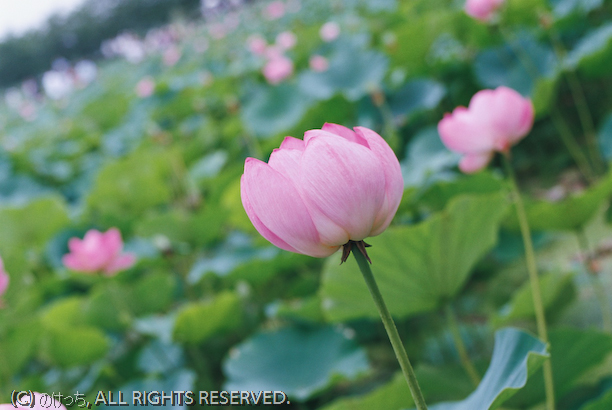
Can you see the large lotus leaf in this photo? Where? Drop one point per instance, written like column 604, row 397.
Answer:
column 18, row 345
column 268, row 111
column 593, row 53
column 568, row 214
column 181, row 379
column 605, row 138
column 298, row 361
column 123, row 190
column 201, row 227
column 523, row 64
column 573, row 353
column 439, row 194
column 558, row 291
column 417, row 95
column 352, row 72
column 565, row 8
column 416, row 266
column 72, row 346
column 427, row 159
column 436, row 382
column 197, row 322
column 516, row 356
column 32, row 225
column 602, row 403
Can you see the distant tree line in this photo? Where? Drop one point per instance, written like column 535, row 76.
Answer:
column 80, row 34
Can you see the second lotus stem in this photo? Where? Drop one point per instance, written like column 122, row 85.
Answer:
column 532, row 270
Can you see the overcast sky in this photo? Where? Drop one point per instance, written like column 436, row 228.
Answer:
column 18, row 16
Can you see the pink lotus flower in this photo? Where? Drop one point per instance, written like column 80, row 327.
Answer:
column 98, row 252
column 274, row 10
column 278, row 69
column 145, row 87
column 171, row 56
column 329, row 31
column 483, row 10
column 494, row 121
column 256, row 44
column 318, row 63
column 4, row 278
column 315, row 195
column 41, row 402
column 286, row 40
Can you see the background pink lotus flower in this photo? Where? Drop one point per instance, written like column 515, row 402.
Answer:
column 494, row 121
column 41, row 402
column 318, row 63
column 329, row 31
column 274, row 10
column 171, row 56
column 482, row 10
column 316, row 194
column 256, row 44
column 286, row 40
column 278, row 69
column 4, row 278
column 98, row 252
column 145, row 87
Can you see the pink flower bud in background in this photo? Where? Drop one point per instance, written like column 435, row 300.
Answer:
column 171, row 56
column 145, row 87
column 4, row 278
column 482, row 10
column 494, row 121
column 41, row 402
column 316, row 194
column 286, row 40
column 274, row 10
column 256, row 44
column 278, row 69
column 329, row 31
column 318, row 63
column 98, row 252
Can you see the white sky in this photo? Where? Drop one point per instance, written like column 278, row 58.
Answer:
column 18, row 16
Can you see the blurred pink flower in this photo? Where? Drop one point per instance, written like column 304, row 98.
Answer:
column 482, row 10
column 4, row 278
column 145, row 87
column 316, row 194
column 329, row 31
column 256, row 44
column 494, row 121
column 278, row 69
column 274, row 10
column 171, row 56
column 28, row 111
column 318, row 63
column 286, row 40
column 41, row 402
column 98, row 252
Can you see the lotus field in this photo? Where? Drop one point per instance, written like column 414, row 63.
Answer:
column 354, row 205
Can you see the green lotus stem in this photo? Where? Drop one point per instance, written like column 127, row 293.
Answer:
column 584, row 114
column 566, row 135
column 570, row 143
column 389, row 324
column 467, row 364
column 532, row 269
column 600, row 294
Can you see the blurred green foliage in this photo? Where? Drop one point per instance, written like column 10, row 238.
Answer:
column 210, row 304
